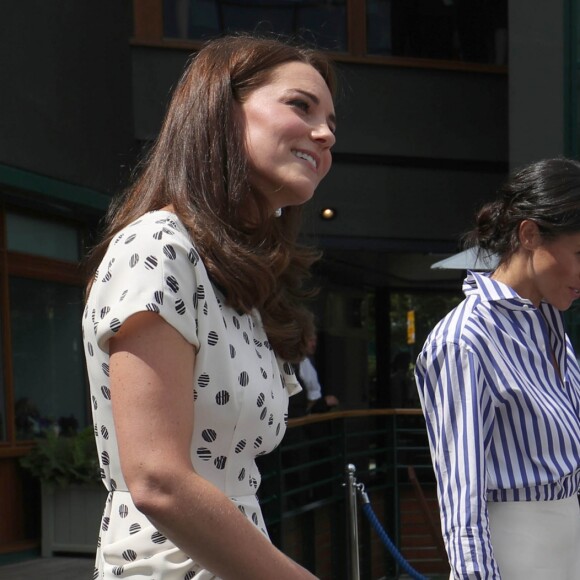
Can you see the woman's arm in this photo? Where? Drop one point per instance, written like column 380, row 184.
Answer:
column 459, row 417
column 151, row 372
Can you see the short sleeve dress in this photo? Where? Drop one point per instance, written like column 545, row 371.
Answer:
column 239, row 394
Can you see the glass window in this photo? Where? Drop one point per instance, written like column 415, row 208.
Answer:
column 49, row 379
column 41, row 237
column 413, row 315
column 321, row 23
column 466, row 30
column 409, row 332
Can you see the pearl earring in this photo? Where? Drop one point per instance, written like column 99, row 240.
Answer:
column 278, row 212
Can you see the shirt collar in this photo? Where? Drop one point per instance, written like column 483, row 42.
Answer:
column 488, row 290
column 481, row 284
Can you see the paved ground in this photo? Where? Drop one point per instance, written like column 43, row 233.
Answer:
column 61, row 568
column 58, row 568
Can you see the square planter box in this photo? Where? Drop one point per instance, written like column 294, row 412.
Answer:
column 71, row 518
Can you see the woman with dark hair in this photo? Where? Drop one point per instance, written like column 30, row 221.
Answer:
column 194, row 314
column 500, row 389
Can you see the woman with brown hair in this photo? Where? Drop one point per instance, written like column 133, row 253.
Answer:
column 194, row 312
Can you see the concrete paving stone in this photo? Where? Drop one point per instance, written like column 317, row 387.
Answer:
column 57, row 568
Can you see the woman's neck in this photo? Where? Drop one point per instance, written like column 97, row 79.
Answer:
column 516, row 274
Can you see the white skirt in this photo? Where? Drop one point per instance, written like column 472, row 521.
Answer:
column 536, row 540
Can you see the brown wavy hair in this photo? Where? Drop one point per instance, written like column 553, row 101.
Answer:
column 199, row 165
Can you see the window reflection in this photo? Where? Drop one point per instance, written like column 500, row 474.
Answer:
column 462, row 30
column 42, row 237
column 49, row 381
column 466, row 30
column 321, row 23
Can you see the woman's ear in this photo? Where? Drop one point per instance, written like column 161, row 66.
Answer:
column 529, row 235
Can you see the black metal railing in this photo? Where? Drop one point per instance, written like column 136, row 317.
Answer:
column 303, row 493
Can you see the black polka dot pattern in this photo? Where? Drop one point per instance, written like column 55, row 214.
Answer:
column 151, row 262
column 222, row 398
column 169, row 252
column 209, row 435
column 158, row 538
column 172, row 283
column 134, row 528
column 239, row 395
column 204, row 453
column 130, row 555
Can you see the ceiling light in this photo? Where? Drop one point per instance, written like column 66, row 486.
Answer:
column 328, row 213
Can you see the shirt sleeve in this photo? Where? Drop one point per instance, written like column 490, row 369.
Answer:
column 149, row 267
column 309, row 378
column 459, row 416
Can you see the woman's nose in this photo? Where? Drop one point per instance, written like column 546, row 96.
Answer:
column 323, row 134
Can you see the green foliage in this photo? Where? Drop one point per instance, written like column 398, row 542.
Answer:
column 63, row 461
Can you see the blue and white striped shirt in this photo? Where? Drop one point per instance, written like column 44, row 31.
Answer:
column 502, row 424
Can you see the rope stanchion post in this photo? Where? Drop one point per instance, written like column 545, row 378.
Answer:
column 387, row 542
column 351, row 491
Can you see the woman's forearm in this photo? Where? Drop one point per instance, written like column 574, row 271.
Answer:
column 199, row 519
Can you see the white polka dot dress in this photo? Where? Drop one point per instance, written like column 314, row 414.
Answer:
column 239, row 396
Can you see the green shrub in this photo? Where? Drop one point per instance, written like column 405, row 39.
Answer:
column 64, row 461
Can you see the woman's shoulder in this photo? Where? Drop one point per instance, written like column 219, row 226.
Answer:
column 159, row 223
column 155, row 247
column 150, row 266
column 156, row 231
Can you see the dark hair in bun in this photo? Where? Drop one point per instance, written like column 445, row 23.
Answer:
column 546, row 192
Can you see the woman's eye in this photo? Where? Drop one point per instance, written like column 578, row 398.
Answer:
column 300, row 104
